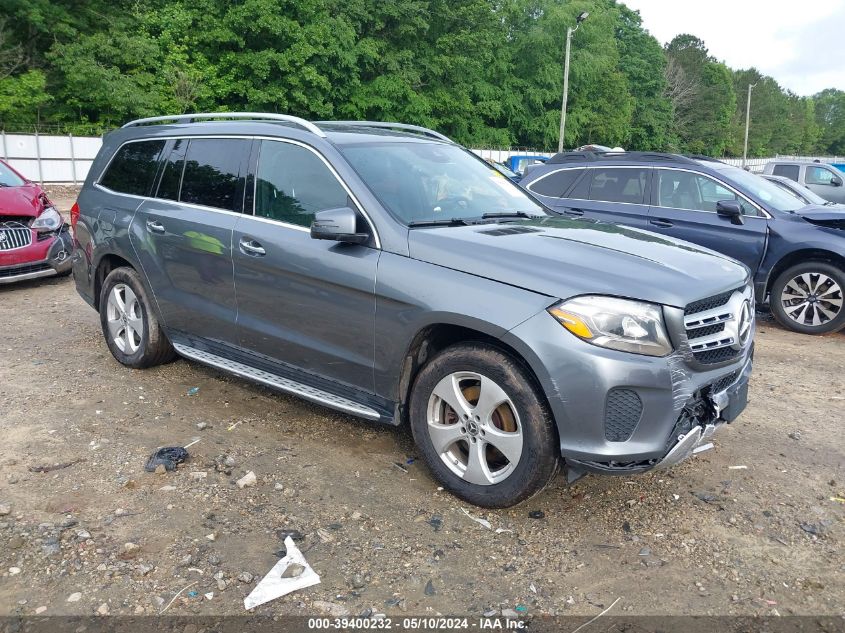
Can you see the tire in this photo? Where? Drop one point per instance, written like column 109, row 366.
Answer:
column 808, row 298
column 457, row 449
column 131, row 347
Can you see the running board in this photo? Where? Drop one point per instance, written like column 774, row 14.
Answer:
column 278, row 382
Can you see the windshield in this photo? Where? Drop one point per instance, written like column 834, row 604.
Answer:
column 8, row 178
column 807, row 195
column 761, row 189
column 433, row 182
column 507, row 173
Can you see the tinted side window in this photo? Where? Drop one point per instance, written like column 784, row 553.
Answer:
column 789, row 171
column 292, row 184
column 556, row 184
column 214, row 172
column 133, row 168
column 171, row 177
column 619, row 185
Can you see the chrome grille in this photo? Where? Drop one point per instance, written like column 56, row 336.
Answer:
column 711, row 325
column 14, row 237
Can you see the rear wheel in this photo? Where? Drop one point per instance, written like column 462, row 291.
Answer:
column 808, row 298
column 130, row 327
column 482, row 426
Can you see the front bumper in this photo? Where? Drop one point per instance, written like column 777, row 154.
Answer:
column 42, row 258
column 673, row 404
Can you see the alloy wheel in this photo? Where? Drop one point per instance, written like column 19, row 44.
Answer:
column 124, row 319
column 812, row 299
column 474, row 428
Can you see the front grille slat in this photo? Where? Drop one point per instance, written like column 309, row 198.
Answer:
column 704, row 321
column 705, row 331
column 709, row 303
column 14, row 238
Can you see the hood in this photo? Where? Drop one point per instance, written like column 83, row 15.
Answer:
column 825, row 215
column 562, row 258
column 21, row 201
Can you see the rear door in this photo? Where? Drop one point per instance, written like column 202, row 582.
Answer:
column 183, row 236
column 825, row 182
column 684, row 207
column 307, row 303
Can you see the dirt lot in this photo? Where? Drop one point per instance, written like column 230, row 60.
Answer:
column 704, row 538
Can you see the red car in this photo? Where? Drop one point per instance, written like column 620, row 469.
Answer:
column 34, row 239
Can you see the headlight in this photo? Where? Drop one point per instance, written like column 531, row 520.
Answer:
column 49, row 220
column 629, row 326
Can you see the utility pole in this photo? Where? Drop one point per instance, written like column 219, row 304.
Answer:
column 747, row 124
column 569, row 31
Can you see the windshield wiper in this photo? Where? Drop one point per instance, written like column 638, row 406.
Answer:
column 509, row 214
column 449, row 222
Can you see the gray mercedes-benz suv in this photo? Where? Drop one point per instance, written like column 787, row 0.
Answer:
column 384, row 271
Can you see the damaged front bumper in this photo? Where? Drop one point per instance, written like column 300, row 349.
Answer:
column 619, row 413
column 44, row 257
column 706, row 412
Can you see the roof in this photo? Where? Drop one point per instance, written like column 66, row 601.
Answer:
column 627, row 157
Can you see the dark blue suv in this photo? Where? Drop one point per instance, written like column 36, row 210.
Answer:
column 796, row 252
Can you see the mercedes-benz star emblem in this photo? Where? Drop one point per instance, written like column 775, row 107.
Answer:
column 2, row 236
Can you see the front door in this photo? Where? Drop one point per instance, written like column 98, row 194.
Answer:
column 684, row 206
column 307, row 303
column 826, row 183
column 183, row 236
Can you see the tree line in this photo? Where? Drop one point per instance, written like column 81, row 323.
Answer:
column 486, row 72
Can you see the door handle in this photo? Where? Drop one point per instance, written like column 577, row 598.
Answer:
column 154, row 226
column 251, row 247
column 661, row 222
column 578, row 212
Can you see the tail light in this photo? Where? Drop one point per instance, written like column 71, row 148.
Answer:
column 74, row 215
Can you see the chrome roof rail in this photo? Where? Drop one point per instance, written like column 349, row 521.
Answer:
column 255, row 116
column 392, row 126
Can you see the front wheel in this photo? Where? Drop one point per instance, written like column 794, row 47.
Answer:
column 808, row 298
column 482, row 427
column 129, row 323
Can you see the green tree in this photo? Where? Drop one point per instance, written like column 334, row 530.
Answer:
column 643, row 63
column 830, row 116
column 703, row 97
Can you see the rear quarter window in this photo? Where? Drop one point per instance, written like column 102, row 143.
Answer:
column 555, row 184
column 133, row 168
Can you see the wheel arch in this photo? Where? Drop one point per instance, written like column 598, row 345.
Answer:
column 801, row 256
column 435, row 337
column 105, row 265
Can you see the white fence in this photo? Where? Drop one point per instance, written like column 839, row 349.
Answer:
column 53, row 159
column 67, row 159
column 501, row 155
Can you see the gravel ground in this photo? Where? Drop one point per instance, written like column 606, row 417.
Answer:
column 100, row 535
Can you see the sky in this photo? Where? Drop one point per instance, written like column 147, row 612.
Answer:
column 801, row 45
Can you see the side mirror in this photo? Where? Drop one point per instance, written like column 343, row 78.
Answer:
column 338, row 225
column 836, row 181
column 730, row 209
